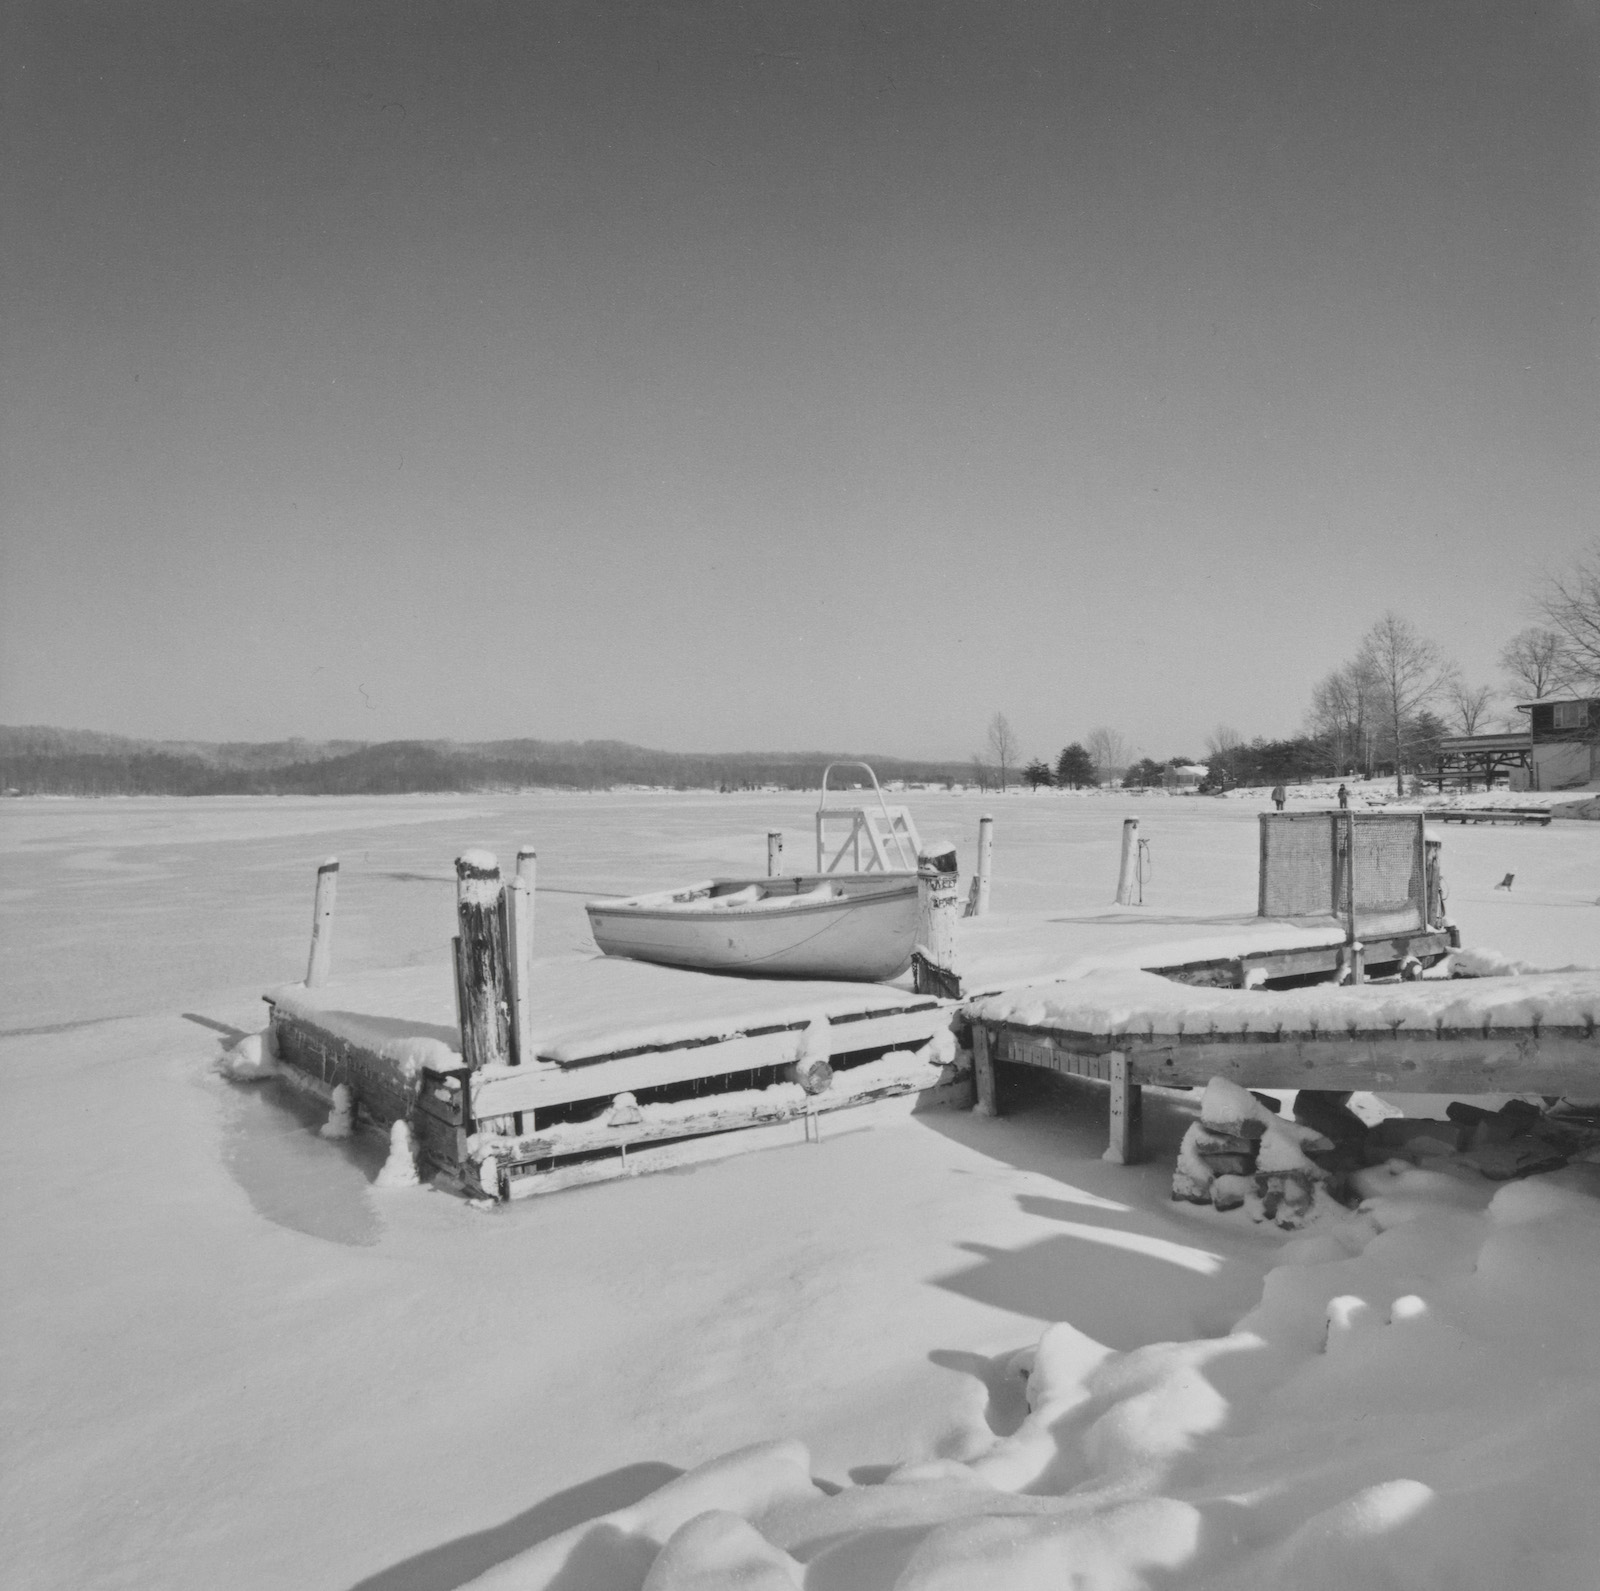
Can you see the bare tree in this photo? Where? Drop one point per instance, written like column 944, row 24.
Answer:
column 1110, row 753
column 979, row 773
column 1223, row 739
column 1570, row 601
column 1535, row 662
column 1343, row 713
column 1410, row 671
column 1469, row 703
column 1003, row 746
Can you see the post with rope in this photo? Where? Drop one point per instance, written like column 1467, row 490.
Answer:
column 1128, row 870
column 1355, row 970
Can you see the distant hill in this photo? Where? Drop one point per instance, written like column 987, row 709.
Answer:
column 36, row 760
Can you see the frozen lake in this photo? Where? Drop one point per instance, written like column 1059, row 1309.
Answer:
column 133, row 907
column 231, row 1360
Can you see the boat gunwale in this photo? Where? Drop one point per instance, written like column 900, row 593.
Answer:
column 754, row 911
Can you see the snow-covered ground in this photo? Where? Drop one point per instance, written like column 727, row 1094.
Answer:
column 231, row 1358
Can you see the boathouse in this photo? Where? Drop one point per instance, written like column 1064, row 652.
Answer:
column 1563, row 743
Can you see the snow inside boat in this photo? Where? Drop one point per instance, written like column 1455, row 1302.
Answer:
column 860, row 927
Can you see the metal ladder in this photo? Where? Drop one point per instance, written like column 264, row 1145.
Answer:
column 880, row 839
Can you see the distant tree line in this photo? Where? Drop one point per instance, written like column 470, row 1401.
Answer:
column 59, row 762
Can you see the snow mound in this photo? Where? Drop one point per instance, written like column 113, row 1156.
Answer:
column 1332, row 1439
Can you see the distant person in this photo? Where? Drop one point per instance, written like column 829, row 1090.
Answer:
column 1277, row 796
column 1344, row 799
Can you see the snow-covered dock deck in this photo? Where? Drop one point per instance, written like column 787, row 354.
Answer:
column 702, row 1055
column 1533, row 1033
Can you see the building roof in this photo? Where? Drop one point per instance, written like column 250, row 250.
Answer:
column 1552, row 701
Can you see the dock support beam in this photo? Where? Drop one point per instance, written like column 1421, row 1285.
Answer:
column 322, row 924
column 1127, row 1114
column 1128, row 873
column 983, row 1072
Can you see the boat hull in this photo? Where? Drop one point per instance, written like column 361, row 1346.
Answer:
column 865, row 935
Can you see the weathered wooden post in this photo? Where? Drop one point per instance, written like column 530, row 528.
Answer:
column 455, row 973
column 1127, row 874
column 519, row 894
column 485, row 1010
column 938, row 903
column 322, row 924
column 1127, row 1114
column 980, row 879
column 774, row 852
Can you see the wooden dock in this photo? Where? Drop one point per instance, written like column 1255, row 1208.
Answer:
column 1513, row 1049
column 700, row 1058
column 515, row 1075
column 1521, row 815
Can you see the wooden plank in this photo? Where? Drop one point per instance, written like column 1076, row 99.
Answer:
column 1304, row 961
column 720, row 1146
column 1047, row 1055
column 711, row 1118
column 379, row 1087
column 1554, row 1061
column 499, row 1092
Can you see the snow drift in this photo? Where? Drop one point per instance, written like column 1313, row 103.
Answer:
column 1413, row 1402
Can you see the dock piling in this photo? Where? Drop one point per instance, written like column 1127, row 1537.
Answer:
column 321, row 961
column 980, row 879
column 1128, row 873
column 774, row 852
column 485, row 1008
column 519, row 893
column 938, row 903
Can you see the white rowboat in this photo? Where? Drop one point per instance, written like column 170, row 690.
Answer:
column 859, row 927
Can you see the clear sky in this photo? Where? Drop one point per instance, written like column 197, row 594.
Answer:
column 790, row 375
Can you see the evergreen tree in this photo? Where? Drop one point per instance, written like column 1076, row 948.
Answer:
column 1075, row 768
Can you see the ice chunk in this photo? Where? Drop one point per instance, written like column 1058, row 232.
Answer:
column 249, row 1060
column 400, row 1169
column 342, row 1116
